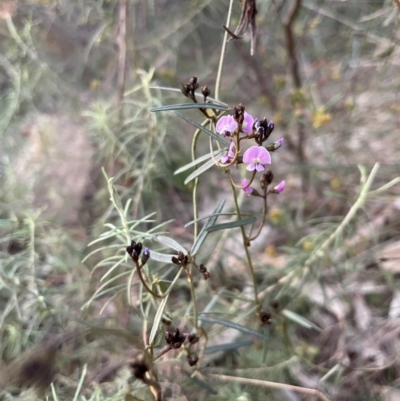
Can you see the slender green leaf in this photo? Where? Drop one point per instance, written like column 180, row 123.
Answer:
column 157, row 319
column 171, row 243
column 80, row 384
column 265, row 343
column 204, row 129
column 211, row 215
column 111, row 269
column 118, row 276
column 206, row 166
column 161, row 257
column 204, row 233
column 337, row 369
column 160, row 310
column 198, row 160
column 227, row 347
column 187, row 106
column 231, row 325
column 300, row 320
column 232, row 224
column 212, row 302
column 101, row 249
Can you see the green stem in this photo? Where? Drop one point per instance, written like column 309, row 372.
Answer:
column 222, row 57
column 263, row 217
column 196, row 182
column 246, row 248
column 193, row 296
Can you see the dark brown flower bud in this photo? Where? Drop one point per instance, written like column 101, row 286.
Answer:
column 265, row 317
column 266, row 178
column 206, row 92
column 263, row 130
column 352, row 353
column 130, row 247
column 193, row 339
column 238, row 114
column 193, row 84
column 203, row 270
column 192, row 359
column 274, row 304
column 139, row 368
column 185, row 90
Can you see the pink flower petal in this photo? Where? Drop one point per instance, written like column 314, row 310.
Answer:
column 251, row 167
column 231, row 152
column 280, row 187
column 221, row 124
column 226, row 124
column 249, row 155
column 248, row 123
column 244, row 183
column 257, row 154
column 230, row 155
column 263, row 155
column 259, row 167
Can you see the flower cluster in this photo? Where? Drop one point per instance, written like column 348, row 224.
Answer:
column 239, row 126
column 135, row 251
column 227, row 125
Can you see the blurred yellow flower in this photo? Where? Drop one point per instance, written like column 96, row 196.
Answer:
column 321, row 117
column 94, row 84
column 271, row 251
column 275, row 215
column 336, row 183
column 308, row 246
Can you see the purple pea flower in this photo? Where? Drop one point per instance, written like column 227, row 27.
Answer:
column 275, row 145
column 256, row 157
column 226, row 125
column 248, row 123
column 230, row 155
column 280, row 187
column 145, row 256
column 244, row 183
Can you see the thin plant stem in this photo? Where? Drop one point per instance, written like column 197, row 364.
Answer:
column 80, row 384
column 31, row 223
column 222, row 57
column 196, row 183
column 121, row 214
column 143, row 281
column 263, row 217
column 193, row 296
column 246, row 248
column 267, row 384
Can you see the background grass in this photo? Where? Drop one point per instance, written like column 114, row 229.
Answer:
column 68, row 109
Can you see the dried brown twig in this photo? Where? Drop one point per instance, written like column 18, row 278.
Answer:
column 246, row 23
column 288, row 23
